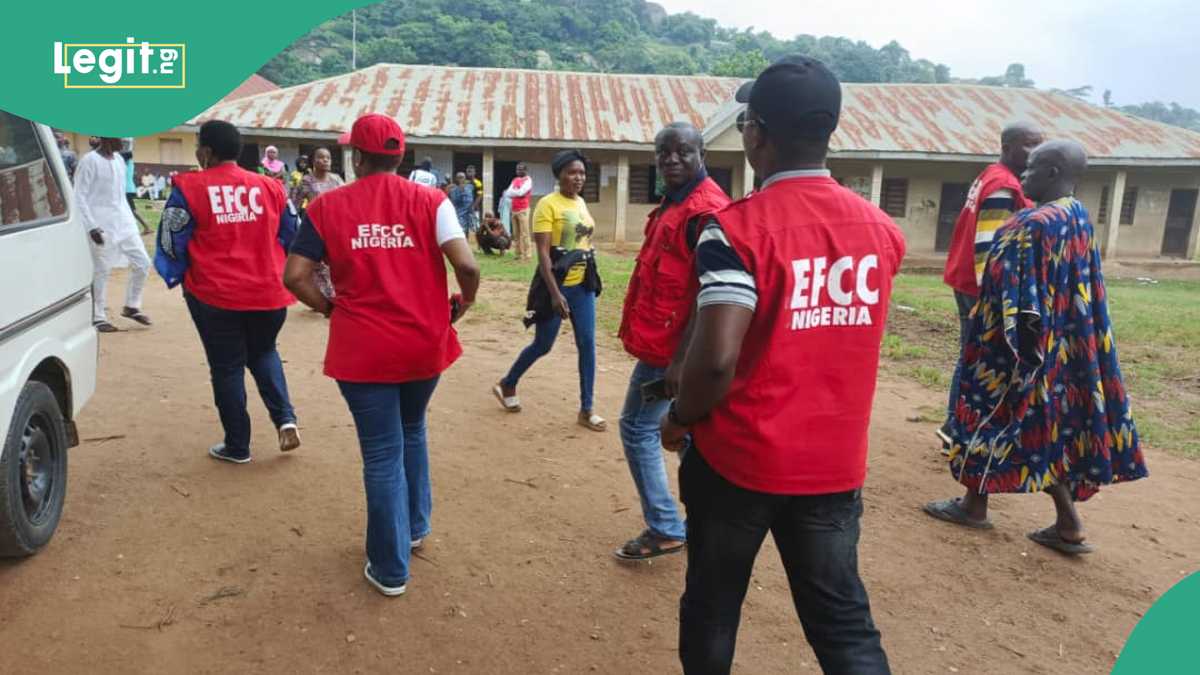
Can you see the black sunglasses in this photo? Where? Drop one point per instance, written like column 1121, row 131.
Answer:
column 743, row 122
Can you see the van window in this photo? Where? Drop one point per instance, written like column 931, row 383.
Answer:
column 29, row 190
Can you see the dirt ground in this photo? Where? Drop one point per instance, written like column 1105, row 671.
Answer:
column 169, row 562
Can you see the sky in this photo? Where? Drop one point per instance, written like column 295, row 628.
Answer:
column 1143, row 50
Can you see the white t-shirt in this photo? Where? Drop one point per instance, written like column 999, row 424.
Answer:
column 448, row 227
column 423, row 177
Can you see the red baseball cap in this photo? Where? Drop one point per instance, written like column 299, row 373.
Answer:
column 378, row 135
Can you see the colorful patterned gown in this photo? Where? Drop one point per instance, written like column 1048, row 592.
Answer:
column 1045, row 403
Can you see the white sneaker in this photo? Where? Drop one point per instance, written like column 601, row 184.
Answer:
column 289, row 437
column 390, row 591
column 416, row 543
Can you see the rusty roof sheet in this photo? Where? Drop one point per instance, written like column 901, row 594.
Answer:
column 485, row 103
column 254, row 85
column 526, row 105
column 967, row 119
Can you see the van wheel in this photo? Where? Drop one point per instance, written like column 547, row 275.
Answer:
column 33, row 472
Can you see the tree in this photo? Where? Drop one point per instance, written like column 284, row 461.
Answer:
column 688, row 28
column 1108, row 98
column 1173, row 113
column 386, row 50
column 740, row 64
column 608, row 35
column 1083, row 92
column 1014, row 76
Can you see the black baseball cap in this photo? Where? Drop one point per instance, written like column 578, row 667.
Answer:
column 796, row 95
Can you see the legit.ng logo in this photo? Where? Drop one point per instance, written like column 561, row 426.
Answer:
column 121, row 65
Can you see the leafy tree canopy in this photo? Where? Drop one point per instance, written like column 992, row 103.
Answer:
column 627, row 36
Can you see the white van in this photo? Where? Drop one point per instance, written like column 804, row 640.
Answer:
column 48, row 348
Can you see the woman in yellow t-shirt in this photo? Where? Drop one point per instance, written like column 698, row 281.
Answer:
column 568, row 279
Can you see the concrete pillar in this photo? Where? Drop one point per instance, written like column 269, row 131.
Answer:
column 489, row 177
column 348, row 163
column 877, row 184
column 747, row 178
column 1194, row 242
column 1116, row 199
column 622, row 198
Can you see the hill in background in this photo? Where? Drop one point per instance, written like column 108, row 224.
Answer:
column 619, row 36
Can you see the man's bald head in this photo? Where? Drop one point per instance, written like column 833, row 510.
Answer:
column 1017, row 140
column 1055, row 169
column 683, row 131
column 679, row 154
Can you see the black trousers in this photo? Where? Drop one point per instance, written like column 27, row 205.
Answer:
column 817, row 538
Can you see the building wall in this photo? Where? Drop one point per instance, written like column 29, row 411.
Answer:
column 919, row 219
column 1142, row 239
column 923, row 202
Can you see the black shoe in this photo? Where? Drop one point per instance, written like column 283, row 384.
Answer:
column 105, row 327
column 136, row 315
column 218, row 451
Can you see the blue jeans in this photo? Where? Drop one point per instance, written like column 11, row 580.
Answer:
column 390, row 420
column 964, row 303
column 817, row 539
column 583, row 320
column 644, row 454
column 233, row 342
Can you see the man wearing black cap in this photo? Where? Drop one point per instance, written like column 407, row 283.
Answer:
column 778, row 382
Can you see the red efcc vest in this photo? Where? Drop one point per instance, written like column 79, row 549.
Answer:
column 796, row 416
column 662, row 290
column 960, row 260
column 391, row 316
column 235, row 256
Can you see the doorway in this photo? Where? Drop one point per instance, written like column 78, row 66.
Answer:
column 1180, row 214
column 249, row 159
column 504, row 172
column 464, row 159
column 954, row 197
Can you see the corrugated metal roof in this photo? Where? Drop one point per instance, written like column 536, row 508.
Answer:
column 529, row 105
column 484, row 103
column 254, row 85
column 967, row 119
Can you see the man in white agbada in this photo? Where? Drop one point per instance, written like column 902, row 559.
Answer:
column 100, row 195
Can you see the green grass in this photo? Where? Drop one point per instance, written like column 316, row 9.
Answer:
column 150, row 212
column 1157, row 328
column 615, row 270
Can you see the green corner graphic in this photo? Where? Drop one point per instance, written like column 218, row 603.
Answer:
column 1164, row 641
column 191, row 58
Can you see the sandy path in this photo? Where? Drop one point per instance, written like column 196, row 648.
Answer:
column 167, row 561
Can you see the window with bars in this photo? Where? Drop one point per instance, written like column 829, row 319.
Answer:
column 591, row 186
column 1128, row 205
column 894, row 200
column 643, row 185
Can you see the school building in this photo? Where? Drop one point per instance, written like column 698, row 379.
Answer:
column 913, row 149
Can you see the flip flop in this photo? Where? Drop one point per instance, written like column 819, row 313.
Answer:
column 1050, row 538
column 951, row 511
column 650, row 543
column 510, row 403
